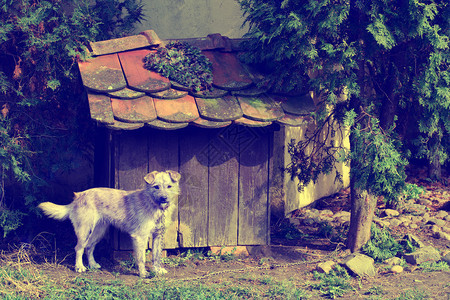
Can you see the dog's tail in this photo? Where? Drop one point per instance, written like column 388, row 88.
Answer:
column 55, row 211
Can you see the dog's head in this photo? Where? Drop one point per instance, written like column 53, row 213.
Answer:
column 163, row 187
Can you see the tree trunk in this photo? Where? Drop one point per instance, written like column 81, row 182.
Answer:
column 362, row 211
column 434, row 168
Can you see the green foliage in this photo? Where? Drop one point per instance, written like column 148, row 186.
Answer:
column 334, row 284
column 439, row 266
column 368, row 60
column 44, row 125
column 382, row 245
column 182, row 63
column 413, row 191
column 377, row 164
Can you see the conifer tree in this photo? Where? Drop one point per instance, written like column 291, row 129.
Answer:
column 43, row 117
column 372, row 62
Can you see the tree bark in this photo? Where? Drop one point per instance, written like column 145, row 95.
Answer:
column 362, row 211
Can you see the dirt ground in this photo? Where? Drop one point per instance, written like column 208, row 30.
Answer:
column 292, row 260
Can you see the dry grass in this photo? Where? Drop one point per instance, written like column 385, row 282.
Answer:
column 19, row 272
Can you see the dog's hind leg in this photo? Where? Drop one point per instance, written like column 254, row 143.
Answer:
column 94, row 238
column 83, row 230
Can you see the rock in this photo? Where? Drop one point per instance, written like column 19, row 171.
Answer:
column 395, row 222
column 396, row 269
column 442, row 235
column 325, row 267
column 294, row 221
column 446, row 229
column 441, row 214
column 309, row 221
column 390, row 213
column 447, row 218
column 435, row 229
column 446, row 257
column 360, row 264
column 380, row 222
column 342, row 214
column 414, row 240
column 393, row 261
column 424, row 202
column 438, row 222
column 326, row 212
column 413, row 226
column 421, row 255
column 416, row 209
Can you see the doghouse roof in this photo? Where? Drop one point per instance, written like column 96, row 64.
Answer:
column 123, row 94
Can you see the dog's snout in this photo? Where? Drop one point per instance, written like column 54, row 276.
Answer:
column 163, row 199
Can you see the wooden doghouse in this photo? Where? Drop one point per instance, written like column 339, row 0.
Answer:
column 222, row 143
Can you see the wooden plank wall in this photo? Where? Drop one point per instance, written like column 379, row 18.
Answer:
column 224, row 197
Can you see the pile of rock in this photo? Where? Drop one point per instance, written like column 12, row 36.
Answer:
column 363, row 265
column 414, row 216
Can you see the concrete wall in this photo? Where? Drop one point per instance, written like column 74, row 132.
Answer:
column 192, row 18
column 325, row 185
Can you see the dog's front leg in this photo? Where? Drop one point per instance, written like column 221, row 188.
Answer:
column 139, row 245
column 156, row 252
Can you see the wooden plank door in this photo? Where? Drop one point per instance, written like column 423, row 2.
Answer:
column 162, row 156
column 254, row 188
column 193, row 201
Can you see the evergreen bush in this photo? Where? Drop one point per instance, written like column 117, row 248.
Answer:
column 44, row 122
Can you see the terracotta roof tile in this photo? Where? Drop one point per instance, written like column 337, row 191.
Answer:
column 138, row 77
column 103, row 74
column 219, row 109
column 139, row 110
column 100, row 107
column 123, row 95
column 179, row 110
column 261, row 108
column 160, row 124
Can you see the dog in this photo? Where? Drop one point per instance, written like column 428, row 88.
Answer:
column 140, row 213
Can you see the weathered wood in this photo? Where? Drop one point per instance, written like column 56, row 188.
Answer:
column 162, row 156
column 131, row 159
column 253, row 190
column 193, row 201
column 223, row 187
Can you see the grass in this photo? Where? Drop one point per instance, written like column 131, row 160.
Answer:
column 334, row 284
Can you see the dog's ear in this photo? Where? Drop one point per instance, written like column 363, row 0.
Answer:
column 150, row 177
column 175, row 176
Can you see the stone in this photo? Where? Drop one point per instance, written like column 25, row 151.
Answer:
column 413, row 226
column 442, row 235
column 424, row 202
column 395, row 222
column 446, row 257
column 438, row 222
column 441, row 214
column 414, row 240
column 447, row 218
column 446, row 229
column 326, row 212
column 325, row 267
column 435, row 229
column 342, row 214
column 421, row 255
column 360, row 264
column 391, row 213
column 396, row 269
column 393, row 261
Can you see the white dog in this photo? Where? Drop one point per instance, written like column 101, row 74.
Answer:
column 140, row 213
